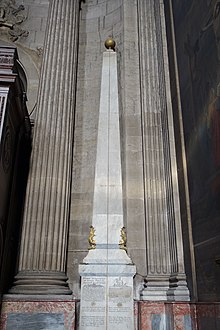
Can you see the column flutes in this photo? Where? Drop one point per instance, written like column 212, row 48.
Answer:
column 166, row 279
column 42, row 259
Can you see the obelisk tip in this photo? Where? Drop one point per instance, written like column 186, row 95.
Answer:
column 110, row 43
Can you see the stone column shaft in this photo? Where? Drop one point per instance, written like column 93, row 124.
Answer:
column 44, row 234
column 163, row 224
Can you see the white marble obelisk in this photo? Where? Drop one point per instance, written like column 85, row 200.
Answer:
column 107, row 271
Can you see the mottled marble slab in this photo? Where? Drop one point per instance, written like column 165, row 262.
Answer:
column 35, row 321
column 37, row 315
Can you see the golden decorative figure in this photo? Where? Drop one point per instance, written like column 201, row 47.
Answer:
column 123, row 240
column 91, row 240
column 110, row 43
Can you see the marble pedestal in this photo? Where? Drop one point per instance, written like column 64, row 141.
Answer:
column 107, row 296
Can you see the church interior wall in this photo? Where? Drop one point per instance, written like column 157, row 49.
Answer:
column 97, row 21
column 23, row 26
column 198, row 51
column 198, row 55
column 27, row 34
column 197, row 44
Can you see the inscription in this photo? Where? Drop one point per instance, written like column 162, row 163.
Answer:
column 118, row 293
column 119, row 309
column 92, row 280
column 106, row 304
column 93, row 309
column 94, row 293
column 94, row 289
column 93, row 321
column 119, row 320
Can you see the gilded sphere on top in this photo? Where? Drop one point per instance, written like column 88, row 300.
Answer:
column 110, row 43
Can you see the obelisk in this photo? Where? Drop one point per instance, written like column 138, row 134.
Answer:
column 107, row 271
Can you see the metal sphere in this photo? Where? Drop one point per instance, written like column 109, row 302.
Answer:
column 110, row 43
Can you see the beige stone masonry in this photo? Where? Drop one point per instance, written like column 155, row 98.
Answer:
column 42, row 261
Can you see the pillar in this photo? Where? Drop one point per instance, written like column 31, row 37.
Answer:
column 166, row 279
column 42, row 260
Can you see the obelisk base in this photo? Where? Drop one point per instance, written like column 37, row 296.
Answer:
column 110, row 255
column 107, row 296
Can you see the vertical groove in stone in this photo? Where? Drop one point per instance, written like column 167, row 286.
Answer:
column 167, row 163
column 161, row 186
column 157, row 235
column 31, row 211
column 174, row 249
column 50, row 164
column 44, row 235
column 56, row 208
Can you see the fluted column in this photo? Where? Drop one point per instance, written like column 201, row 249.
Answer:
column 42, row 259
column 166, row 279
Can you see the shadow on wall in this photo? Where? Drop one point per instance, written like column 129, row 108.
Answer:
column 30, row 61
column 197, row 29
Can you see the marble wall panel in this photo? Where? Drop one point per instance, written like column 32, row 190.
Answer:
column 147, row 315
column 53, row 315
column 178, row 316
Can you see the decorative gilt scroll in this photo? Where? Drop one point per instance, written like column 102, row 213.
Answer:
column 91, row 240
column 123, row 240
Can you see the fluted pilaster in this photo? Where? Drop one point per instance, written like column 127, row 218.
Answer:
column 42, row 260
column 166, row 278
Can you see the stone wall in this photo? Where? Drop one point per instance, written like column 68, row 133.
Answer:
column 197, row 28
column 124, row 21
column 27, row 34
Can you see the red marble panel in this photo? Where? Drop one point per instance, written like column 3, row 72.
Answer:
column 175, row 313
column 179, row 311
column 136, row 312
column 181, row 308
column 67, row 308
column 205, row 310
column 146, row 310
column 193, row 313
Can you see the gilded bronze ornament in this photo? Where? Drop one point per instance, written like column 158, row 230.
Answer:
column 110, row 43
column 91, row 240
column 123, row 240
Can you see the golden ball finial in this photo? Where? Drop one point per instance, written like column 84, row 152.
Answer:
column 110, row 43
